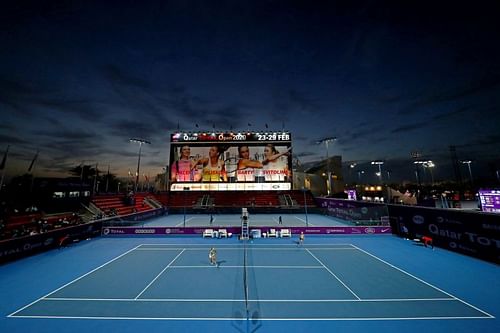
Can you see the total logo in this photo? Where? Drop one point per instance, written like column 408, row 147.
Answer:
column 418, row 219
column 105, row 231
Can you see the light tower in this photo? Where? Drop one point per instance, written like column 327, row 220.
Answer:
column 140, row 142
column 379, row 174
column 326, row 141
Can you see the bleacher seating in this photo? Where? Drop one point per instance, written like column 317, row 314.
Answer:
column 204, row 200
column 117, row 204
column 24, row 224
column 297, row 198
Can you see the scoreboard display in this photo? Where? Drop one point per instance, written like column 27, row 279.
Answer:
column 222, row 161
column 490, row 200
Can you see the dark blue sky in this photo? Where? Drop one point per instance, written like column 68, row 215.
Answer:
column 79, row 78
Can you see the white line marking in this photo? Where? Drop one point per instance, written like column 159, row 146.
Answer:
column 241, row 248
column 187, row 300
column 163, row 270
column 182, row 222
column 352, row 292
column 308, row 223
column 427, row 283
column 453, row 298
column 67, row 284
column 260, row 319
column 253, row 245
column 234, row 266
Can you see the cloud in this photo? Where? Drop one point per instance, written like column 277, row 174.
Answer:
column 452, row 113
column 305, row 154
column 130, row 128
column 484, row 84
column 69, row 135
column 117, row 76
column 11, row 139
column 300, row 138
column 27, row 99
column 492, row 139
column 19, row 95
column 410, row 127
column 293, row 102
column 87, row 109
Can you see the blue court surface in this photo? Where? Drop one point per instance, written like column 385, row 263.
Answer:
column 228, row 220
column 166, row 284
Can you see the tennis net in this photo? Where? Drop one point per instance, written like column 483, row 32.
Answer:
column 245, row 276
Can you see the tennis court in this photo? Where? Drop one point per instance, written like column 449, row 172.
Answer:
column 227, row 220
column 328, row 282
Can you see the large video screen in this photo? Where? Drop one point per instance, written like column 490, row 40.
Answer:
column 230, row 161
column 490, row 200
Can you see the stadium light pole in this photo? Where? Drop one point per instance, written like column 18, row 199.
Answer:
column 351, row 168
column 326, row 141
column 416, row 155
column 360, row 172
column 379, row 174
column 140, row 142
column 417, row 174
column 468, row 162
column 430, row 165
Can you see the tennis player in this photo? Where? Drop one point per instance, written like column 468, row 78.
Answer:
column 427, row 241
column 212, row 256
column 301, row 238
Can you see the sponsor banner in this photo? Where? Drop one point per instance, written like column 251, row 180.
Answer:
column 231, row 187
column 473, row 233
column 158, row 231
column 358, row 212
column 11, row 249
column 343, row 230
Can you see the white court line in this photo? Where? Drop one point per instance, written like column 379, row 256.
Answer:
column 330, row 248
column 427, row 283
column 191, row 245
column 240, row 248
column 215, row 300
column 260, row 319
column 259, row 300
column 352, row 292
column 182, row 222
column 67, row 284
column 163, row 270
column 234, row 266
column 309, row 223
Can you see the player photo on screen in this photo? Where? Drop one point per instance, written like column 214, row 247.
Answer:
column 230, row 163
